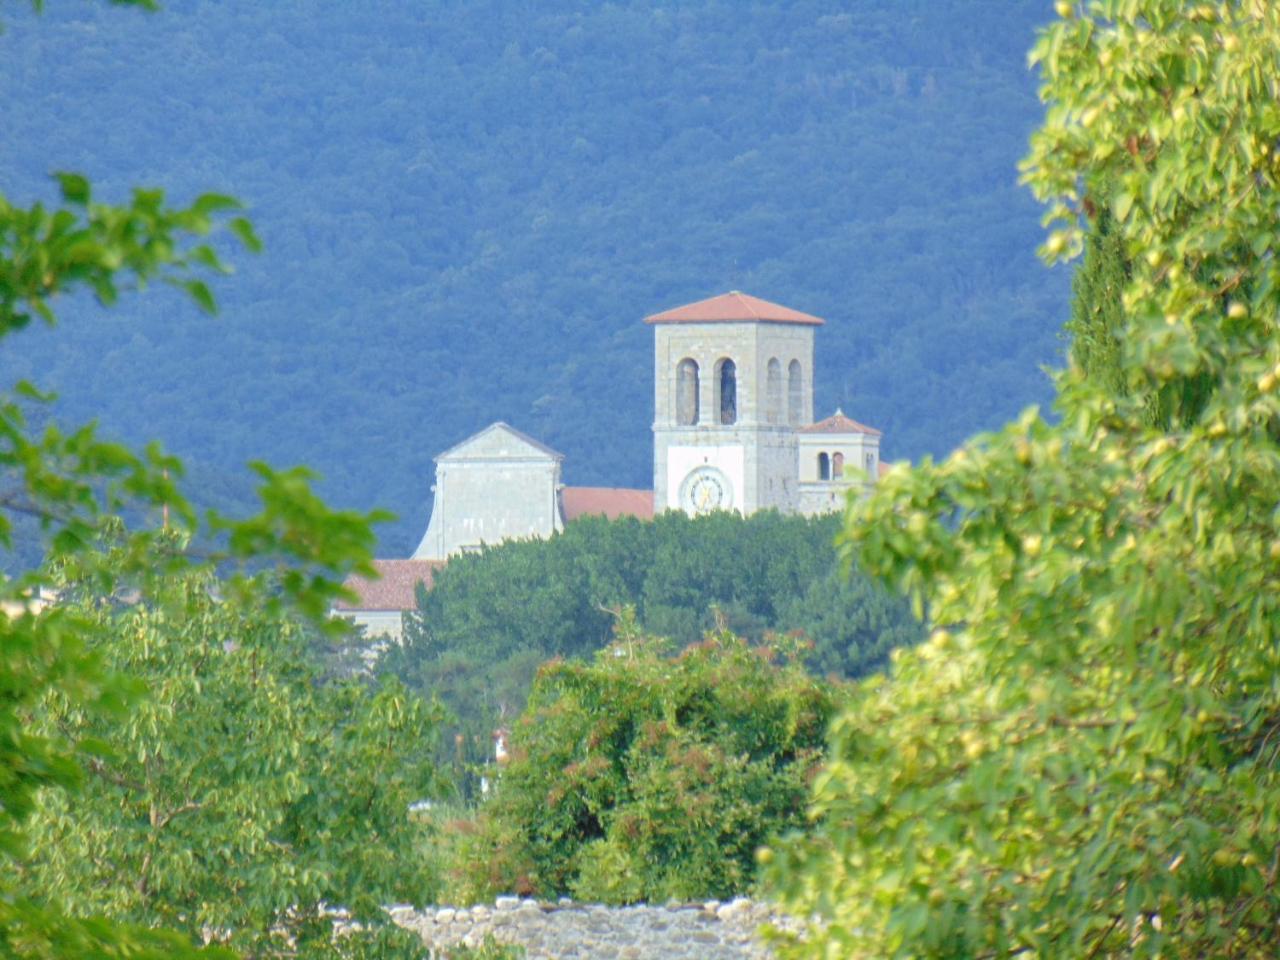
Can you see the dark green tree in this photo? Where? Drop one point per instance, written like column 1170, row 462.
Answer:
column 1096, row 325
column 493, row 617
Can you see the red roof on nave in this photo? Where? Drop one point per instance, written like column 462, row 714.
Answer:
column 611, row 502
column 733, row 307
column 394, row 588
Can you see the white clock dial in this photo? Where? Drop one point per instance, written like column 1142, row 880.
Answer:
column 706, row 489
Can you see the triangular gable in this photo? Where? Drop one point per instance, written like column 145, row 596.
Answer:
column 499, row 441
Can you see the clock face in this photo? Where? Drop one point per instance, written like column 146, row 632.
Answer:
column 706, row 489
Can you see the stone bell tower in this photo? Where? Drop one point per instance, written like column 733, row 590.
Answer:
column 733, row 381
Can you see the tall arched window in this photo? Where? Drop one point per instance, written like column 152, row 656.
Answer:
column 824, row 467
column 728, row 391
column 837, row 465
column 773, row 392
column 687, row 392
column 795, row 393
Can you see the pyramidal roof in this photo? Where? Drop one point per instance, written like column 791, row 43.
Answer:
column 733, row 307
column 839, row 423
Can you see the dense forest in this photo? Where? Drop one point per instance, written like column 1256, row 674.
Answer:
column 435, row 182
column 493, row 618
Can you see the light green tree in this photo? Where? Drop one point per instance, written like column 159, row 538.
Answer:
column 1084, row 762
column 246, row 796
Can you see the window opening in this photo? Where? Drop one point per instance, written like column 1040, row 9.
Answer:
column 687, row 392
column 728, row 392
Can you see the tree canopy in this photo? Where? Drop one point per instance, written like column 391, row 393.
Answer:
column 246, row 795
column 639, row 776
column 491, row 618
column 1081, row 760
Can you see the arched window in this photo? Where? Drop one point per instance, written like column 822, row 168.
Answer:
column 871, row 466
column 728, row 390
column 795, row 393
column 824, row 467
column 773, row 392
column 837, row 465
column 687, row 392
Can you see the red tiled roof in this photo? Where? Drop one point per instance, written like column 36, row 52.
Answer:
column 882, row 468
column 612, row 502
column 839, row 423
column 394, row 589
column 732, row 307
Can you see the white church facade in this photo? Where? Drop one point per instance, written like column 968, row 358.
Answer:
column 733, row 429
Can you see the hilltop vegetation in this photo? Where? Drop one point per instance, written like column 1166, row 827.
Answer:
column 435, row 182
column 493, row 618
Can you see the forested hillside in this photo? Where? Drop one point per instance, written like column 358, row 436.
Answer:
column 439, row 183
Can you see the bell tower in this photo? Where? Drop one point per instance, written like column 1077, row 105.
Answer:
column 733, row 382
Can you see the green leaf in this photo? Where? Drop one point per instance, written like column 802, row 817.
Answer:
column 243, row 229
column 208, row 203
column 75, row 188
column 200, row 292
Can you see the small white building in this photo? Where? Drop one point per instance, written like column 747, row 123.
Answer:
column 836, row 455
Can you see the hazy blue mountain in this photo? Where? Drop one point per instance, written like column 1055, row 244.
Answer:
column 469, row 207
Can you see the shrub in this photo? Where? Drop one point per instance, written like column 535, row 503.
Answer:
column 646, row 777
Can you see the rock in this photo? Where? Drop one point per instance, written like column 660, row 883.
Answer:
column 565, row 930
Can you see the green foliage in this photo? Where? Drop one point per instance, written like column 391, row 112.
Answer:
column 1096, row 324
column 489, row 950
column 644, row 777
column 494, row 617
column 1085, row 764
column 242, row 795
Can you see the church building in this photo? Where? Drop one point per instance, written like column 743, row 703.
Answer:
column 733, row 429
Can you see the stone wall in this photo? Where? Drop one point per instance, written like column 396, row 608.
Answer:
column 574, row 931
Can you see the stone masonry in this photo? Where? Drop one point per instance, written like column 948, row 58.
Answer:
column 574, row 931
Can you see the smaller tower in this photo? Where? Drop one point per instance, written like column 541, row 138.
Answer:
column 835, row 456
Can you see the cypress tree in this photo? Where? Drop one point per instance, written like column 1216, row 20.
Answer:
column 1096, row 325
column 1096, row 330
